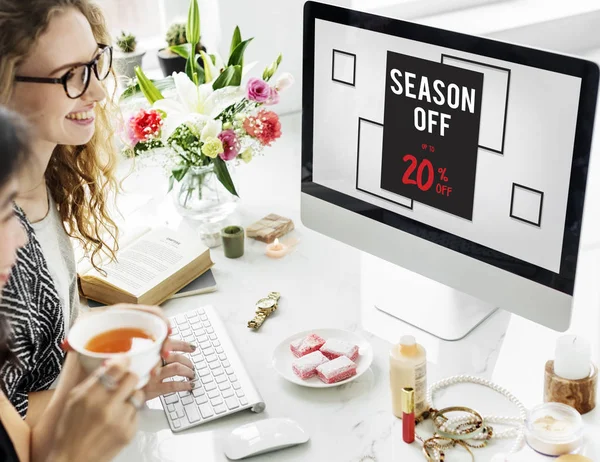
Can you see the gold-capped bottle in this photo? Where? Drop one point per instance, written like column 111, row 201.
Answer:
column 408, row 369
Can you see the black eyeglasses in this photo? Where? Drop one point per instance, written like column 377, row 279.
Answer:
column 77, row 79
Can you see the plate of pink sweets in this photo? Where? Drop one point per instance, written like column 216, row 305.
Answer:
column 322, row 358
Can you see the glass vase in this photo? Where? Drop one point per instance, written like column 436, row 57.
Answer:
column 201, row 196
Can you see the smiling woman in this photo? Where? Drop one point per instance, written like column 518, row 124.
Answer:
column 54, row 60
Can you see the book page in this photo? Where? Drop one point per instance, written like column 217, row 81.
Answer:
column 150, row 260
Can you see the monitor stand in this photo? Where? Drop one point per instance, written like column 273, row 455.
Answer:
column 439, row 310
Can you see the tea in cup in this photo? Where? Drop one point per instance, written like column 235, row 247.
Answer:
column 136, row 334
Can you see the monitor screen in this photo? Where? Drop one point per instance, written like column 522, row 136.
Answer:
column 455, row 139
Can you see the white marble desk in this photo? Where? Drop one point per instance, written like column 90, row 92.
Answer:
column 321, row 287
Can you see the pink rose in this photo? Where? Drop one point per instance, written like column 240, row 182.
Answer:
column 258, row 90
column 273, row 98
column 231, row 145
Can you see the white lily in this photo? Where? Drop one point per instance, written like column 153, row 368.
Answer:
column 196, row 104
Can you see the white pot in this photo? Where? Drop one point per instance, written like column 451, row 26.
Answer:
column 125, row 63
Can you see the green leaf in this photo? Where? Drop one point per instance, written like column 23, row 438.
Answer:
column 192, row 29
column 236, row 80
column 235, row 40
column 161, row 84
column 190, row 70
column 182, row 50
column 199, row 71
column 237, row 55
column 225, row 78
column 179, row 172
column 223, row 175
column 151, row 93
column 171, row 183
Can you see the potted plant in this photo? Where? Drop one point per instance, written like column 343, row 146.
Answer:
column 174, row 56
column 126, row 58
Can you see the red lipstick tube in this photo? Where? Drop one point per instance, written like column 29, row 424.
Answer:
column 408, row 415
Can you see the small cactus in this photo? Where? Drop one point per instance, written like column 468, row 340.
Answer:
column 126, row 42
column 176, row 36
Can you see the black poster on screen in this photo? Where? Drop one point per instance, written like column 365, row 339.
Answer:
column 431, row 133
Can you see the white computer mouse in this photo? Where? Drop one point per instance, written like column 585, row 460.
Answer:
column 263, row 436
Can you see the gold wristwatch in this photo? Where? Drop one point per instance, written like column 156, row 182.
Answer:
column 264, row 307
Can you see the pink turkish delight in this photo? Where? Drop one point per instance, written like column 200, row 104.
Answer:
column 336, row 370
column 306, row 345
column 335, row 348
column 306, row 367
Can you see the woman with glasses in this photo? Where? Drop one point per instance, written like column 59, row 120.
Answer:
column 54, row 59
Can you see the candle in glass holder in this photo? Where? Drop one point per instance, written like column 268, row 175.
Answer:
column 276, row 249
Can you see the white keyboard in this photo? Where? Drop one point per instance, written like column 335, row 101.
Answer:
column 222, row 385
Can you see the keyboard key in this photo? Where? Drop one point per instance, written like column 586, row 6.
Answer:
column 232, row 403
column 213, row 337
column 202, row 399
column 221, row 379
column 220, row 409
column 229, row 370
column 179, row 410
column 183, row 394
column 224, row 386
column 180, row 319
column 204, row 317
column 236, row 385
column 218, row 371
column 197, row 384
column 197, row 353
column 176, row 424
column 198, row 392
column 211, row 358
column 206, row 410
column 216, row 343
column 189, row 339
column 214, row 365
column 215, row 402
column 227, row 393
column 173, row 415
column 186, row 332
column 170, row 407
column 206, row 324
column 210, row 386
column 219, row 350
column 244, row 401
column 210, row 330
column 207, row 379
column 208, row 351
column 213, row 394
column 187, row 400
column 240, row 393
column 200, row 311
column 171, row 399
column 197, row 328
column 203, row 338
column 233, row 378
column 203, row 372
column 192, row 412
column 205, row 345
column 224, row 361
column 199, row 362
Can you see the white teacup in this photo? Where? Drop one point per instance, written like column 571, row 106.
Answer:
column 142, row 360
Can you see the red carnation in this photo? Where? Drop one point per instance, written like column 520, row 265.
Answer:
column 265, row 126
column 144, row 125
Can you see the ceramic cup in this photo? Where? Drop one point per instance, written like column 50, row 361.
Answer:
column 142, row 360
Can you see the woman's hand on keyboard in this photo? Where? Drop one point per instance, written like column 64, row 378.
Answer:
column 175, row 365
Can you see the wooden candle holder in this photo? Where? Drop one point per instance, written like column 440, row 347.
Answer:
column 579, row 394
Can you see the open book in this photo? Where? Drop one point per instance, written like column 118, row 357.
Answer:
column 155, row 265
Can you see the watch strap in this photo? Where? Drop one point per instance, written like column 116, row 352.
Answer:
column 262, row 314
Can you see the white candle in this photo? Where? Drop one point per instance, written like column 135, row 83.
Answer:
column 572, row 357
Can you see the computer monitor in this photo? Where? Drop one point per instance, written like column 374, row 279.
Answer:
column 458, row 158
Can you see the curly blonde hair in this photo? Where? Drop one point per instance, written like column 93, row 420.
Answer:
column 79, row 178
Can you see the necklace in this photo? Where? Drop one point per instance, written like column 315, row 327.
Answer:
column 460, row 422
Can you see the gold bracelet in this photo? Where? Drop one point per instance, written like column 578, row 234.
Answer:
column 478, row 426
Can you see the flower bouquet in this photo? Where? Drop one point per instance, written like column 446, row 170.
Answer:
column 212, row 119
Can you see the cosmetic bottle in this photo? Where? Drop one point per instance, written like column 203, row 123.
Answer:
column 408, row 415
column 408, row 369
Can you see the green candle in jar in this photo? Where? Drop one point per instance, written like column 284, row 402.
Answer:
column 233, row 241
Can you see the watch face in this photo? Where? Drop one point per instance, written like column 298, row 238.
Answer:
column 266, row 303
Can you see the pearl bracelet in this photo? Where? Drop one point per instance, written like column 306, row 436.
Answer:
column 518, row 422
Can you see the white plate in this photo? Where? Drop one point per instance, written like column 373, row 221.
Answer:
column 283, row 356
